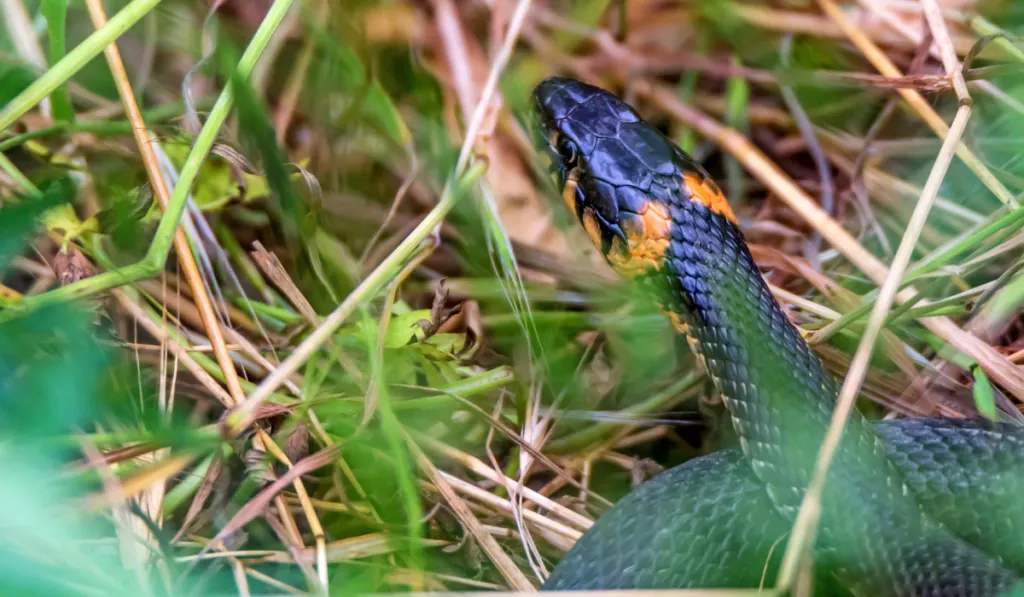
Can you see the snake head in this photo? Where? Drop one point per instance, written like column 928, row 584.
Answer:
column 619, row 176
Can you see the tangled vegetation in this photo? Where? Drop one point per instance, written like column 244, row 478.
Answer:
column 377, row 355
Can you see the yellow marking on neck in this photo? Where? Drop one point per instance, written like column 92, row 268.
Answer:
column 705, row 191
column 647, row 240
column 684, row 328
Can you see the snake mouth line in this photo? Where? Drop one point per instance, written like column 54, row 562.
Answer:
column 620, row 177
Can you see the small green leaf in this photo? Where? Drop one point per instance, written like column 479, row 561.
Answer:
column 216, row 184
column 403, row 328
column 379, row 108
column 984, row 398
column 448, row 344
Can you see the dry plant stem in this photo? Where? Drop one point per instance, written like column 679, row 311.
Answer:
column 149, row 160
column 133, row 486
column 19, row 27
column 937, row 24
column 508, row 569
column 243, row 414
column 885, row 12
column 525, row 446
column 803, row 22
column 192, row 275
column 307, row 509
column 992, row 362
column 180, row 352
column 26, row 44
column 885, row 66
column 238, row 573
column 507, row 506
column 805, row 527
column 479, row 468
column 449, row 25
column 785, row 296
column 270, row 580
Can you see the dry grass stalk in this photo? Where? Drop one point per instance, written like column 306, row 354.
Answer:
column 190, row 269
column 805, row 528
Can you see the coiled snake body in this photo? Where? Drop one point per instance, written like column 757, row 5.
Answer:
column 911, row 506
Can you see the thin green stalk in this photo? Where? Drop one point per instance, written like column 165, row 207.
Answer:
column 114, row 127
column 1004, row 226
column 11, row 170
column 153, row 262
column 1001, row 302
column 187, row 487
column 805, row 527
column 442, row 397
column 738, row 99
column 74, row 61
column 687, row 90
column 1010, row 222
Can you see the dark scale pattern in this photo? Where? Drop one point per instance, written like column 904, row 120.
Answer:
column 966, row 474
column 876, row 537
column 709, row 523
column 621, row 162
column 706, row 524
column 780, row 397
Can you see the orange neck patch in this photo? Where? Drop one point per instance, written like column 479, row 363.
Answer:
column 647, row 239
column 705, row 191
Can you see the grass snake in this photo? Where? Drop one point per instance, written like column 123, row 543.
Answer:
column 918, row 506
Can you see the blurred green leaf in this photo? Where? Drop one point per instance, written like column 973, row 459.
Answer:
column 217, row 183
column 56, row 14
column 18, row 220
column 13, row 80
column 380, row 109
column 50, row 372
column 256, row 129
column 43, row 550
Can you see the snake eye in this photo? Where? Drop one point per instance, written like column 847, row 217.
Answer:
column 569, row 152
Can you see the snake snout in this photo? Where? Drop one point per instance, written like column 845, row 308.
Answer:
column 607, row 163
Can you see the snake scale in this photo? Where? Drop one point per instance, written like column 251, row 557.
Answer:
column 911, row 506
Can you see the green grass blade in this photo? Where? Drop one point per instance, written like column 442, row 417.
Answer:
column 56, row 14
column 75, row 60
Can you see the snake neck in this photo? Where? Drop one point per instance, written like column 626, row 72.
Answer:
column 778, row 392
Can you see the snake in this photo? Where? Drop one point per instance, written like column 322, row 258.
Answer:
column 911, row 506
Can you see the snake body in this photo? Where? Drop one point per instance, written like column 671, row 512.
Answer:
column 911, row 506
